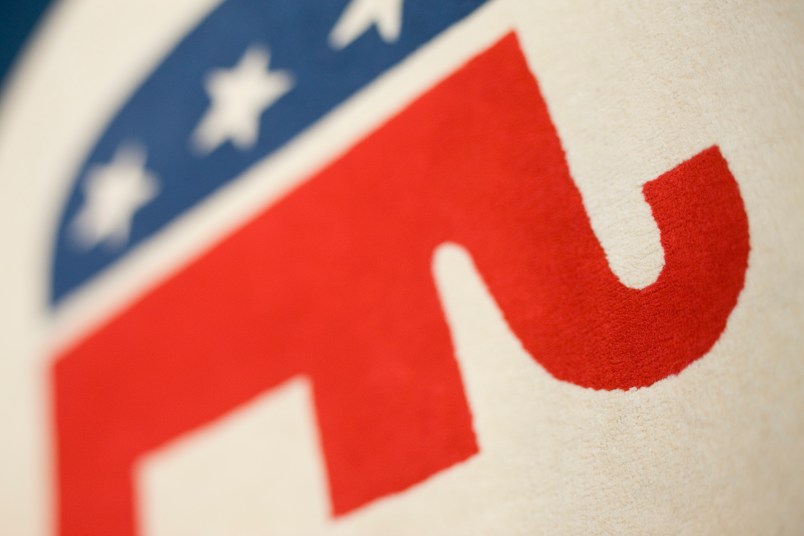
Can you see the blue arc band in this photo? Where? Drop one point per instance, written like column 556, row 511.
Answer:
column 162, row 114
column 17, row 20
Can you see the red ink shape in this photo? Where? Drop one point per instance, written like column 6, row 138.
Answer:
column 334, row 282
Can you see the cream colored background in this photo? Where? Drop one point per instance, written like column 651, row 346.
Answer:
column 634, row 88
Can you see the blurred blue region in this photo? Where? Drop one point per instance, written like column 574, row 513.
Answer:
column 17, row 19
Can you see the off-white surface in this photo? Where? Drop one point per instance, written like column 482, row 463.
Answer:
column 633, row 88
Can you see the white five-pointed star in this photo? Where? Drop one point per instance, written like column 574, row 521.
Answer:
column 113, row 193
column 360, row 15
column 239, row 97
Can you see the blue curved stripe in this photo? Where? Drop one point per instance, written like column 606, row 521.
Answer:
column 165, row 110
column 18, row 19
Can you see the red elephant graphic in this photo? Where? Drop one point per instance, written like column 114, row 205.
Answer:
column 334, row 282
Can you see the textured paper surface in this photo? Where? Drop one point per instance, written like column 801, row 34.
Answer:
column 633, row 90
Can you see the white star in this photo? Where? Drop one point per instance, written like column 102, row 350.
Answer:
column 239, row 97
column 360, row 15
column 113, row 193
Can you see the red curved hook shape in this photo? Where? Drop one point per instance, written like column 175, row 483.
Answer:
column 334, row 282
